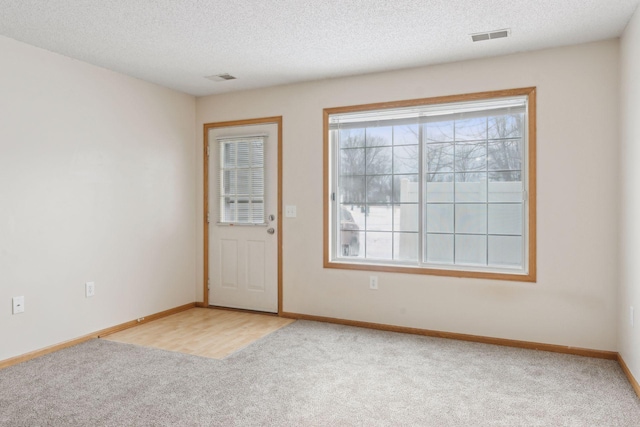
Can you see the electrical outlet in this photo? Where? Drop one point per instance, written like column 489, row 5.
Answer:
column 631, row 316
column 89, row 289
column 18, row 305
column 373, row 282
column 290, row 211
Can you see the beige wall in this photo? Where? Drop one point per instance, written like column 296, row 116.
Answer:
column 574, row 301
column 629, row 294
column 96, row 183
column 100, row 180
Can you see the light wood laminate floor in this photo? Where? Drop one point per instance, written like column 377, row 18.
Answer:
column 203, row 332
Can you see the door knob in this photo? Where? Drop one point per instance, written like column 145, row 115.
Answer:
column 271, row 230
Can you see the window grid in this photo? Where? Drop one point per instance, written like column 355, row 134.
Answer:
column 462, row 168
column 238, row 172
column 456, row 171
column 395, row 231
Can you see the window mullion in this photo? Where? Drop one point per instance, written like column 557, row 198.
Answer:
column 486, row 166
column 455, row 206
column 422, row 219
column 335, row 192
column 393, row 210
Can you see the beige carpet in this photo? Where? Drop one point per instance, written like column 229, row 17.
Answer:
column 315, row 374
column 202, row 331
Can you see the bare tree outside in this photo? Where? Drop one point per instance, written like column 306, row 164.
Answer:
column 470, row 148
column 374, row 162
column 365, row 167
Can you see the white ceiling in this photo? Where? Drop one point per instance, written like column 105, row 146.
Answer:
column 175, row 43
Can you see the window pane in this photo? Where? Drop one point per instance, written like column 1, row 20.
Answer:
column 439, row 218
column 440, row 187
column 379, row 136
column 439, row 248
column 242, row 153
column 352, row 189
column 471, row 187
column 471, row 157
column 405, row 159
column 257, row 211
column 471, row 219
column 505, row 155
column 228, row 206
column 471, row 129
column 405, row 246
column 439, row 158
column 351, row 138
column 379, row 245
column 350, row 235
column 353, row 214
column 379, row 218
column 379, row 189
column 471, row 250
column 378, row 160
column 439, row 131
column 405, row 135
column 352, row 161
column 229, row 182
column 506, row 188
column 257, row 182
column 405, row 217
column 505, row 219
column 405, row 188
column 505, row 251
column 506, row 126
column 244, row 211
column 228, row 155
column 243, row 181
column 257, row 156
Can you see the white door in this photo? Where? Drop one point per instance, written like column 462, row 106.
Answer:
column 243, row 240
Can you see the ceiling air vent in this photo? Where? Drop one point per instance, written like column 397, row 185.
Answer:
column 499, row 34
column 220, row 77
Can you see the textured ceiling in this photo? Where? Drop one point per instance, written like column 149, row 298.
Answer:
column 270, row 42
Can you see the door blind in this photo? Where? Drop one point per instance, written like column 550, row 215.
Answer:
column 241, row 180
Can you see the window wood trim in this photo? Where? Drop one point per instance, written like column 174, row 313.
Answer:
column 530, row 92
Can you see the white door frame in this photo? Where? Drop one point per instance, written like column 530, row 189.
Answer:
column 207, row 126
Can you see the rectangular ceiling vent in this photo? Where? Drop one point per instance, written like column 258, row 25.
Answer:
column 498, row 34
column 220, row 77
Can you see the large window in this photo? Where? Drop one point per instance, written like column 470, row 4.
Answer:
column 438, row 186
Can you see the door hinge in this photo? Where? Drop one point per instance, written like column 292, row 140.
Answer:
column 333, row 197
column 208, row 284
column 208, row 218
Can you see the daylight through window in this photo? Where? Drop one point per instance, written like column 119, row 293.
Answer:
column 242, row 180
column 440, row 186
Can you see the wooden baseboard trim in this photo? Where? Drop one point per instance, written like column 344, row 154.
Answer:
column 600, row 354
column 145, row 319
column 102, row 333
column 630, row 377
column 201, row 305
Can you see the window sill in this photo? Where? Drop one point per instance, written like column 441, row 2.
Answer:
column 431, row 271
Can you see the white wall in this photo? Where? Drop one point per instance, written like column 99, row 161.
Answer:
column 96, row 183
column 574, row 301
column 629, row 293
